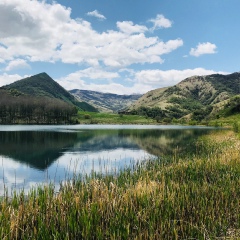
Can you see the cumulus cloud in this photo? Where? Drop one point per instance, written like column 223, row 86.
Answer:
column 141, row 81
column 92, row 73
column 27, row 28
column 163, row 48
column 111, row 87
column 129, row 28
column 39, row 31
column 96, row 14
column 160, row 22
column 4, row 54
column 10, row 78
column 78, row 78
column 203, row 48
column 17, row 64
column 159, row 78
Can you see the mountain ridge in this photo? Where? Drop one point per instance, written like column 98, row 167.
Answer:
column 42, row 85
column 192, row 94
column 105, row 102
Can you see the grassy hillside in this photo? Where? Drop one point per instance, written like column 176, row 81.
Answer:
column 105, row 102
column 41, row 85
column 196, row 97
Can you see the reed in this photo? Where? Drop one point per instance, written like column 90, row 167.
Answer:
column 191, row 197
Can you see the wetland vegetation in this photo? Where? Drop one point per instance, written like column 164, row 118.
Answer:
column 189, row 196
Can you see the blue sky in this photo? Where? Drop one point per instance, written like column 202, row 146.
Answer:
column 118, row 46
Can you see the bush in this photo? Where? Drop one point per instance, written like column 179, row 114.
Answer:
column 236, row 127
column 193, row 122
column 167, row 120
column 87, row 116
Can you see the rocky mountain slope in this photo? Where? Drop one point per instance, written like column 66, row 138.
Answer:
column 198, row 93
column 105, row 102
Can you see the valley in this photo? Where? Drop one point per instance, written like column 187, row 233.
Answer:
column 105, row 102
column 195, row 100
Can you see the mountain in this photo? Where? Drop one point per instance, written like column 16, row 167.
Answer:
column 42, row 85
column 105, row 102
column 197, row 95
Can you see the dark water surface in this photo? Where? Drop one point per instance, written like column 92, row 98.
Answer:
column 33, row 155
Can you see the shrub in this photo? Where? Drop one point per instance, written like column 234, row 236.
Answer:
column 236, row 127
column 87, row 116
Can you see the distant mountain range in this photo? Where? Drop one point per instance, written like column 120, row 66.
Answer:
column 196, row 94
column 106, row 102
column 42, row 85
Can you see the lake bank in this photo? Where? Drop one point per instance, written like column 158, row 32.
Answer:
column 173, row 198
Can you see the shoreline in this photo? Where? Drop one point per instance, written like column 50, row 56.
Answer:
column 166, row 199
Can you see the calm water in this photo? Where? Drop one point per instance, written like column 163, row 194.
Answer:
column 33, row 155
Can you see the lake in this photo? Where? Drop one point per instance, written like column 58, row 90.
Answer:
column 34, row 155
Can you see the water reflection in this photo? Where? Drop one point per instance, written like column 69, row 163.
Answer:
column 36, row 149
column 35, row 156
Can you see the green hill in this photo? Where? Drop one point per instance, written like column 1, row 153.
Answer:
column 197, row 97
column 42, row 85
column 19, row 108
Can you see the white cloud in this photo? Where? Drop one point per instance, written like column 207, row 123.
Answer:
column 163, row 48
column 77, row 79
column 96, row 14
column 17, row 64
column 38, row 31
column 159, row 78
column 116, row 88
column 160, row 22
column 4, row 54
column 93, row 73
column 142, row 81
column 80, row 79
column 203, row 48
column 27, row 28
column 129, row 28
column 8, row 79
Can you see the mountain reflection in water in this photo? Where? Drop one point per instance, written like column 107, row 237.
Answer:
column 30, row 157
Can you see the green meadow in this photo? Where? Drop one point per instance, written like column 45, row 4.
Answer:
column 112, row 118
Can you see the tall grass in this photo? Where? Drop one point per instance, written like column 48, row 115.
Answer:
column 236, row 127
column 195, row 197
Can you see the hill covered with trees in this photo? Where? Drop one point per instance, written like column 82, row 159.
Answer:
column 42, row 85
column 18, row 108
column 38, row 100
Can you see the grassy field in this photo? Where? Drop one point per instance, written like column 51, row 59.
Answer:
column 227, row 121
column 194, row 197
column 111, row 118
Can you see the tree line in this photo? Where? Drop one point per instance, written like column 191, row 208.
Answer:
column 34, row 110
column 173, row 112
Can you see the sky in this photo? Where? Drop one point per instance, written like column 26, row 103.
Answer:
column 118, row 46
